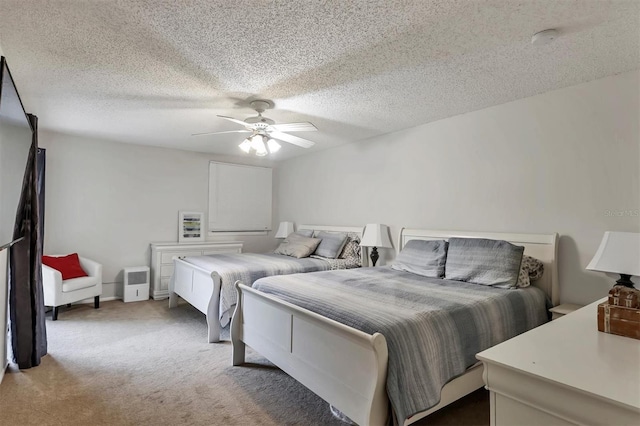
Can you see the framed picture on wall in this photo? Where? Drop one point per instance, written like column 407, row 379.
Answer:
column 190, row 227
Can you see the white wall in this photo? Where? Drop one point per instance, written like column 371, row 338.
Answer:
column 108, row 201
column 555, row 162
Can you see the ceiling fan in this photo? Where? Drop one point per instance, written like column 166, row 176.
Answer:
column 264, row 131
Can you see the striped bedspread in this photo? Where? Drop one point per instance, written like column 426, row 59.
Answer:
column 248, row 267
column 433, row 327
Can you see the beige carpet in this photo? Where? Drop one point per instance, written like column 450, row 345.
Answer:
column 144, row 364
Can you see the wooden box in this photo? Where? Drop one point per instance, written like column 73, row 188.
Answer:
column 620, row 295
column 619, row 320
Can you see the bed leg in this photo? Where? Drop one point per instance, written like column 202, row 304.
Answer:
column 237, row 352
column 173, row 299
column 213, row 325
column 237, row 345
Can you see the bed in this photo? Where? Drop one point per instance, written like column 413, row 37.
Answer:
column 200, row 280
column 343, row 365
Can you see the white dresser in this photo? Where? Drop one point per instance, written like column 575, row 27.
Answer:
column 564, row 372
column 162, row 255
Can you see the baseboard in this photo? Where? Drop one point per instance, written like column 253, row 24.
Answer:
column 102, row 299
column 3, row 370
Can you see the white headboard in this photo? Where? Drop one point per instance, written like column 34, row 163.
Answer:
column 543, row 247
column 329, row 228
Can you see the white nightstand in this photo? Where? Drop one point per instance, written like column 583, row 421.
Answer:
column 562, row 310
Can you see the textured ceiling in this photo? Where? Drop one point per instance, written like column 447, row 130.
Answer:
column 153, row 72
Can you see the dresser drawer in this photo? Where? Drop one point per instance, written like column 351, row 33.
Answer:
column 167, row 257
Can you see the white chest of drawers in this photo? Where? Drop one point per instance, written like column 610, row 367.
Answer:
column 162, row 255
column 565, row 372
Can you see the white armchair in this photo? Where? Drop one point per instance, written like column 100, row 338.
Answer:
column 58, row 292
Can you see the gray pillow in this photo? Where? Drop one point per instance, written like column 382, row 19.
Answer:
column 305, row 232
column 426, row 258
column 482, row 261
column 331, row 245
column 297, row 246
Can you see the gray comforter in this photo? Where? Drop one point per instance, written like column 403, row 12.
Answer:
column 248, row 267
column 433, row 327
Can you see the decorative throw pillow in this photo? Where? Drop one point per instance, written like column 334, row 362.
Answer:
column 331, row 245
column 530, row 270
column 421, row 257
column 351, row 250
column 483, row 261
column 305, row 232
column 297, row 246
column 69, row 265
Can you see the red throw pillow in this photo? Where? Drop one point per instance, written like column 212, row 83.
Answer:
column 68, row 265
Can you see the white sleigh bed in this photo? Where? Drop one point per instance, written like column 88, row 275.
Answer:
column 201, row 287
column 347, row 367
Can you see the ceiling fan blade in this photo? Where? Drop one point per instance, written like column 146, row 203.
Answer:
column 294, row 127
column 219, row 133
column 240, row 122
column 304, row 143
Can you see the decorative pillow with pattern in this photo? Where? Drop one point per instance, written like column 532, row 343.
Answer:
column 351, row 250
column 340, row 263
column 297, row 246
column 530, row 270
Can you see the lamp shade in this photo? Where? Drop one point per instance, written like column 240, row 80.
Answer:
column 619, row 252
column 376, row 235
column 284, row 229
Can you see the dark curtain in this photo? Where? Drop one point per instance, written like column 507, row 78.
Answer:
column 26, row 302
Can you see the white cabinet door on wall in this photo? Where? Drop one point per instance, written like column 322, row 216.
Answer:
column 239, row 197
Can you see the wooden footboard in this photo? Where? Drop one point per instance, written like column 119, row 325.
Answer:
column 342, row 365
column 201, row 289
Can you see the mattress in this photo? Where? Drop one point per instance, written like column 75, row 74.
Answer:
column 248, row 267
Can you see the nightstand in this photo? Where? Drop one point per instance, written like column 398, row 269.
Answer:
column 562, row 310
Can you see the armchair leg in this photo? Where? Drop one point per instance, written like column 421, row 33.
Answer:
column 54, row 315
column 96, row 302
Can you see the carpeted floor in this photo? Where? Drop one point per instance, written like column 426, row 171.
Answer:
column 144, row 364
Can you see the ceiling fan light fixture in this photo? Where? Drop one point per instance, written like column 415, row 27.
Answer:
column 245, row 145
column 257, row 143
column 263, row 132
column 273, row 146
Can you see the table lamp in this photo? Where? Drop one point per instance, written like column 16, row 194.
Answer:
column 284, row 229
column 619, row 253
column 375, row 235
